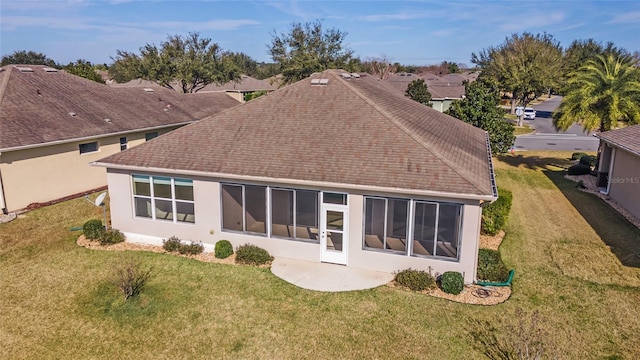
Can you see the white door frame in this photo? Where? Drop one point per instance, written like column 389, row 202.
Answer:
column 331, row 255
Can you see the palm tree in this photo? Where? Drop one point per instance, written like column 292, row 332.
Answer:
column 601, row 94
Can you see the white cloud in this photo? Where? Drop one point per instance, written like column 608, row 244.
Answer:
column 526, row 21
column 626, row 18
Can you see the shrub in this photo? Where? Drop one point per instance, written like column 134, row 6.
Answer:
column 223, row 249
column 171, row 244
column 252, row 255
column 112, row 236
column 415, row 280
column 577, row 155
column 92, row 229
column 191, row 249
column 588, row 160
column 452, row 282
column 130, row 276
column 495, row 215
column 491, row 267
column 579, row 169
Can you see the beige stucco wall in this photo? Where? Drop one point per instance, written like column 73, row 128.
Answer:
column 624, row 181
column 208, row 230
column 52, row 172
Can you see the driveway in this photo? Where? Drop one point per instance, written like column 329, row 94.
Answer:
column 547, row 137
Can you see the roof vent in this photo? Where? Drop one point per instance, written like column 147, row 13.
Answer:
column 107, row 121
column 318, row 82
column 345, row 75
column 149, row 90
column 72, row 114
column 24, row 69
column 50, row 70
column 355, row 75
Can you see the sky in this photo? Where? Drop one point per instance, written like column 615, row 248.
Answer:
column 407, row 32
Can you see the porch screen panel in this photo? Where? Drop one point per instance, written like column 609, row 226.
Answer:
column 397, row 212
column 306, row 215
column 255, row 202
column 448, row 230
column 424, row 228
column 374, row 223
column 282, row 213
column 142, row 196
column 232, row 213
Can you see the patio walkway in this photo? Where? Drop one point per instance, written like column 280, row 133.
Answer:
column 327, row 277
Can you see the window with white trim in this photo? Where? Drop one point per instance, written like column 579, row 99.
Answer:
column 163, row 198
column 412, row 227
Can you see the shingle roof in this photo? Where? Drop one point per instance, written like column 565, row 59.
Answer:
column 447, row 87
column 627, row 138
column 352, row 132
column 38, row 107
column 246, row 83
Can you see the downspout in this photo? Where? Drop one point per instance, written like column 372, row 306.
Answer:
column 3, row 204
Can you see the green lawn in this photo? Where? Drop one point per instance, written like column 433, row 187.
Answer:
column 56, row 300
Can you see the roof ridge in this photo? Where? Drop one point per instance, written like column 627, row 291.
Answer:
column 404, row 128
column 5, row 81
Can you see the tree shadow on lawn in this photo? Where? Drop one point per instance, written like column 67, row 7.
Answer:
column 622, row 237
column 550, row 162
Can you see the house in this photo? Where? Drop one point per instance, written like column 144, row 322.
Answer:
column 334, row 168
column 619, row 167
column 52, row 124
column 444, row 90
column 238, row 90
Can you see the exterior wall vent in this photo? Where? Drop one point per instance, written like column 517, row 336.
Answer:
column 50, row 70
column 24, row 69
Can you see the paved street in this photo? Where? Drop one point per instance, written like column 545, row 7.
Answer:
column 547, row 138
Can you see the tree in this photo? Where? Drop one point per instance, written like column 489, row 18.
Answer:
column 417, row 90
column 84, row 69
column 581, row 51
column 601, row 94
column 245, row 63
column 480, row 108
column 308, row 48
column 188, row 63
column 525, row 66
column 28, row 58
column 379, row 66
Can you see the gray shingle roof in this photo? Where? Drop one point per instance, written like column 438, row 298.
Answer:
column 39, row 107
column 352, row 132
column 246, row 83
column 627, row 138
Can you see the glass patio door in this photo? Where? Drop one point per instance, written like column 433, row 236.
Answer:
column 333, row 234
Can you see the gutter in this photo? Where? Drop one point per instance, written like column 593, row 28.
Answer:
column 307, row 183
column 92, row 137
column 3, row 203
column 492, row 173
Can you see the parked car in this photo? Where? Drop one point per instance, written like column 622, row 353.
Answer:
column 529, row 113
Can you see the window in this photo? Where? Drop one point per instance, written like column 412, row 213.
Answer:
column 88, row 147
column 123, row 143
column 150, row 135
column 334, row 198
column 386, row 224
column 163, row 198
column 294, row 214
column 435, row 227
column 244, row 208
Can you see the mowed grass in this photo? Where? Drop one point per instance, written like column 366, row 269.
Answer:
column 56, row 300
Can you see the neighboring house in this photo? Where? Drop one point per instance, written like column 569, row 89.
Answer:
column 238, row 90
column 334, row 168
column 444, row 90
column 52, row 124
column 619, row 167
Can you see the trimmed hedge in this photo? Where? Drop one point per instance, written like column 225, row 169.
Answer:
column 112, row 236
column 579, row 169
column 495, row 215
column 93, row 229
column 490, row 266
column 416, row 280
column 588, row 160
column 223, row 249
column 252, row 255
column 173, row 244
column 452, row 282
column 577, row 155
